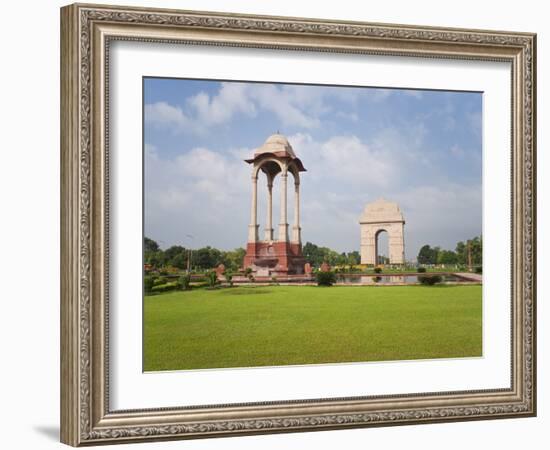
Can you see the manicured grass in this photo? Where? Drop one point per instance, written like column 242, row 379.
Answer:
column 280, row 325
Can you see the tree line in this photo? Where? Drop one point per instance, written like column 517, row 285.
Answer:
column 468, row 252
column 316, row 256
column 206, row 258
column 198, row 259
column 209, row 257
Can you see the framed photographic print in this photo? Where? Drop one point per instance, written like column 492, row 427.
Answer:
column 279, row 224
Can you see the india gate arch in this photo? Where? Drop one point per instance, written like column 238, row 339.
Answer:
column 279, row 252
column 378, row 216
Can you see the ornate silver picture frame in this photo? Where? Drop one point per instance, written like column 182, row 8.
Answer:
column 87, row 32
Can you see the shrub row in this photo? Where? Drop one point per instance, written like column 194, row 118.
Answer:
column 430, row 280
column 165, row 287
column 325, row 278
column 184, row 282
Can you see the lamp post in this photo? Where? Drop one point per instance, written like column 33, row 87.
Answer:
column 469, row 256
column 189, row 250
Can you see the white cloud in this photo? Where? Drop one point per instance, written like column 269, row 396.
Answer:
column 293, row 106
column 286, row 105
column 220, row 108
column 345, row 159
column 164, row 114
column 202, row 110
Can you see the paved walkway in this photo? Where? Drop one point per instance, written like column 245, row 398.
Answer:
column 470, row 276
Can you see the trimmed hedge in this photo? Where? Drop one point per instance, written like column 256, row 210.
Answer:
column 165, row 287
column 421, row 270
column 229, row 278
column 430, row 280
column 184, row 282
column 148, row 283
column 212, row 278
column 158, row 281
column 325, row 278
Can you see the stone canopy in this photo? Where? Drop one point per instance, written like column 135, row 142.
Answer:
column 275, row 150
column 277, row 144
column 278, row 253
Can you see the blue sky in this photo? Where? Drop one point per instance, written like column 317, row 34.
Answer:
column 421, row 149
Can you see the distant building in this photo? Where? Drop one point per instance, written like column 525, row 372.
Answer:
column 378, row 216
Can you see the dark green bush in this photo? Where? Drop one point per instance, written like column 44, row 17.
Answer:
column 229, row 278
column 378, row 270
column 430, row 280
column 184, row 282
column 325, row 278
column 212, row 278
column 165, row 287
column 377, row 279
column 148, row 283
column 479, row 269
column 421, row 270
column 158, row 281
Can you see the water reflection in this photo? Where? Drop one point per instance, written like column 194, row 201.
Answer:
column 390, row 279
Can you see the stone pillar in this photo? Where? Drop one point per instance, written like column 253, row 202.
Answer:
column 397, row 245
column 296, row 235
column 368, row 245
column 283, row 225
column 269, row 221
column 253, row 227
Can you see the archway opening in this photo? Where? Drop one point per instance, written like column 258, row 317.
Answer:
column 382, row 247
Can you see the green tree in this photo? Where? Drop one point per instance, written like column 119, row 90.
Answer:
column 207, row 258
column 171, row 253
column 447, row 257
column 476, row 248
column 180, row 260
column 461, row 253
column 354, row 257
column 427, row 255
column 313, row 254
column 149, row 245
column 156, row 259
column 233, row 259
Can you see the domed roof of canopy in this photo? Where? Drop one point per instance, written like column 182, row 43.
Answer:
column 276, row 143
column 381, row 210
column 277, row 146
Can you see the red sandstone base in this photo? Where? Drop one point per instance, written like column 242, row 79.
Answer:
column 274, row 258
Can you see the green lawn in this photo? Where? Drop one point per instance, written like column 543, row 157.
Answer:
column 280, row 325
